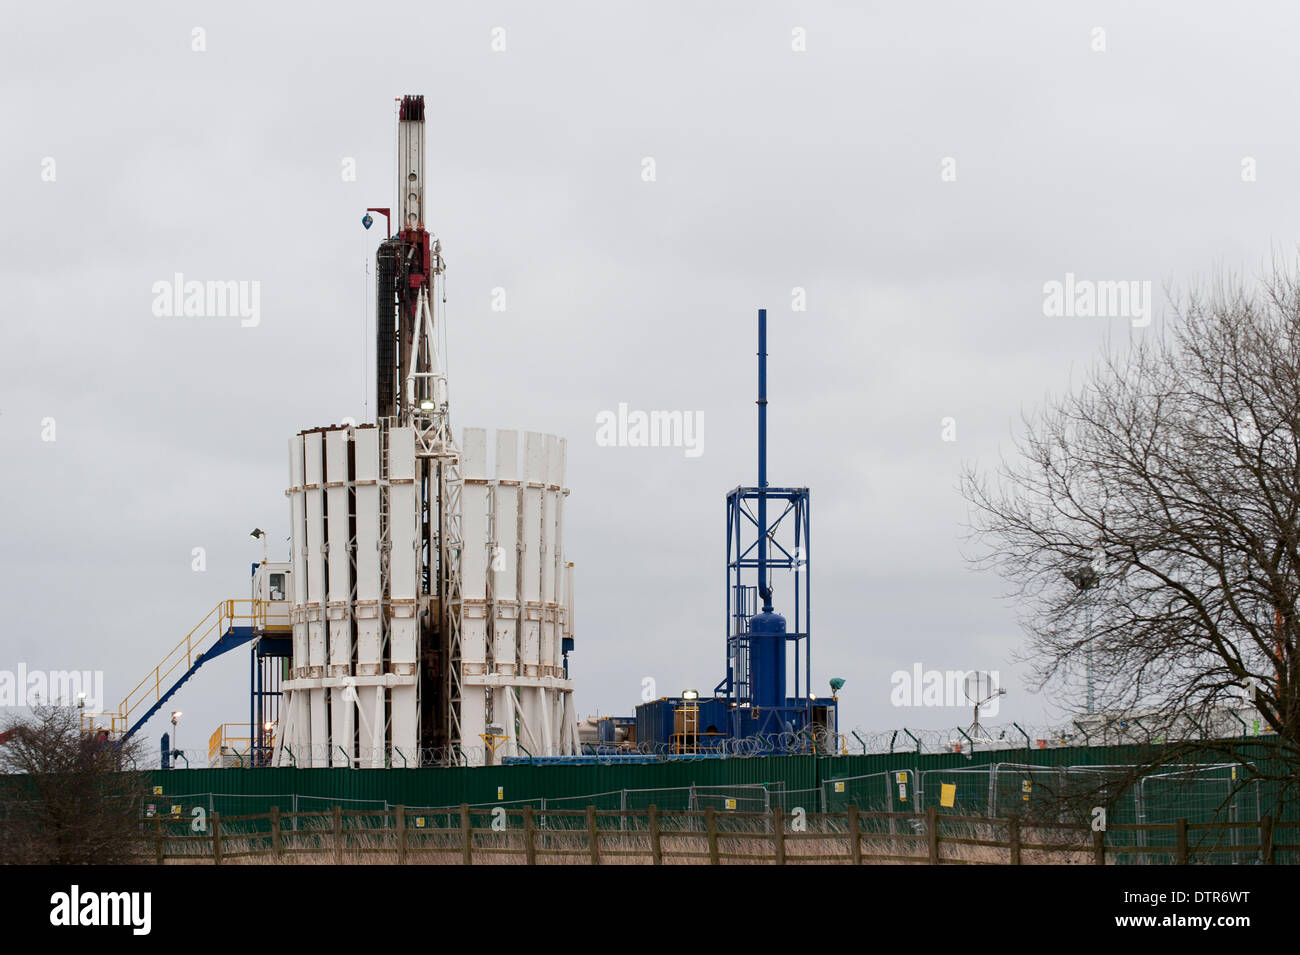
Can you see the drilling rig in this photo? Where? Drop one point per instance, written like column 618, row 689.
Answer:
column 411, row 392
column 414, row 643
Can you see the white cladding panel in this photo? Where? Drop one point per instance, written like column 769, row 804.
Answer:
column 548, row 517
column 313, row 476
column 505, row 573
column 473, row 455
column 405, row 726
column 504, row 576
column 366, row 453
column 314, row 473
column 505, row 580
column 550, row 643
column 474, row 516
column 530, row 536
column 403, row 561
column 530, row 580
column 297, row 521
column 568, row 601
column 556, row 460
column 560, row 595
column 338, row 557
column 295, row 728
column 338, row 608
column 297, row 550
column 507, row 462
column 403, row 583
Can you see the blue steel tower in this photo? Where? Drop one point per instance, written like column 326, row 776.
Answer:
column 760, row 640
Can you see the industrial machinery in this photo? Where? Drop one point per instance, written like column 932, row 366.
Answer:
column 768, row 530
column 431, row 605
column 425, row 616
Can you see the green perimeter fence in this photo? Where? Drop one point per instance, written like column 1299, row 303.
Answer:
column 1063, row 785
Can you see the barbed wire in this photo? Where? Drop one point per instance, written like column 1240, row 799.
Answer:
column 1093, row 730
column 1140, row 728
column 1112, row 729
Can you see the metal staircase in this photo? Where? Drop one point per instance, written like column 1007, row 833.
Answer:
column 230, row 624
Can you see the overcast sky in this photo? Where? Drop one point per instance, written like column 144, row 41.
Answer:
column 1113, row 156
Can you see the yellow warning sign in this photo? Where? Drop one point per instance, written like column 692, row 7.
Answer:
column 731, row 804
column 948, row 795
column 501, row 792
column 839, row 786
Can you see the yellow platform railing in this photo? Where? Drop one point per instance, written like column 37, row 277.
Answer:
column 223, row 737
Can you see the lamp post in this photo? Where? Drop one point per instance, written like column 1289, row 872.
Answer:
column 176, row 718
column 255, row 533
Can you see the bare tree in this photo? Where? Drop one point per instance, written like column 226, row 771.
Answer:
column 1150, row 527
column 67, row 797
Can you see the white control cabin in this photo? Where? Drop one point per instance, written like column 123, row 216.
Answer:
column 271, row 584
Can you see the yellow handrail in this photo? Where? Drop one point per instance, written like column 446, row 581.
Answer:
column 214, row 741
column 221, row 736
column 182, row 656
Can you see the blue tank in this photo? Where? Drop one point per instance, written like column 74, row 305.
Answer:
column 767, row 660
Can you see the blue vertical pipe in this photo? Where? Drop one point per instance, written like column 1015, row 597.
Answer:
column 764, row 590
column 252, row 694
column 767, row 630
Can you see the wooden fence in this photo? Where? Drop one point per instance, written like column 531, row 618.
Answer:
column 528, row 836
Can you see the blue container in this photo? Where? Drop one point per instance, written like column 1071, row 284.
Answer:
column 767, row 660
column 606, row 730
column 654, row 722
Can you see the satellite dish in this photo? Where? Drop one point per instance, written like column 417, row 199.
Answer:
column 980, row 687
